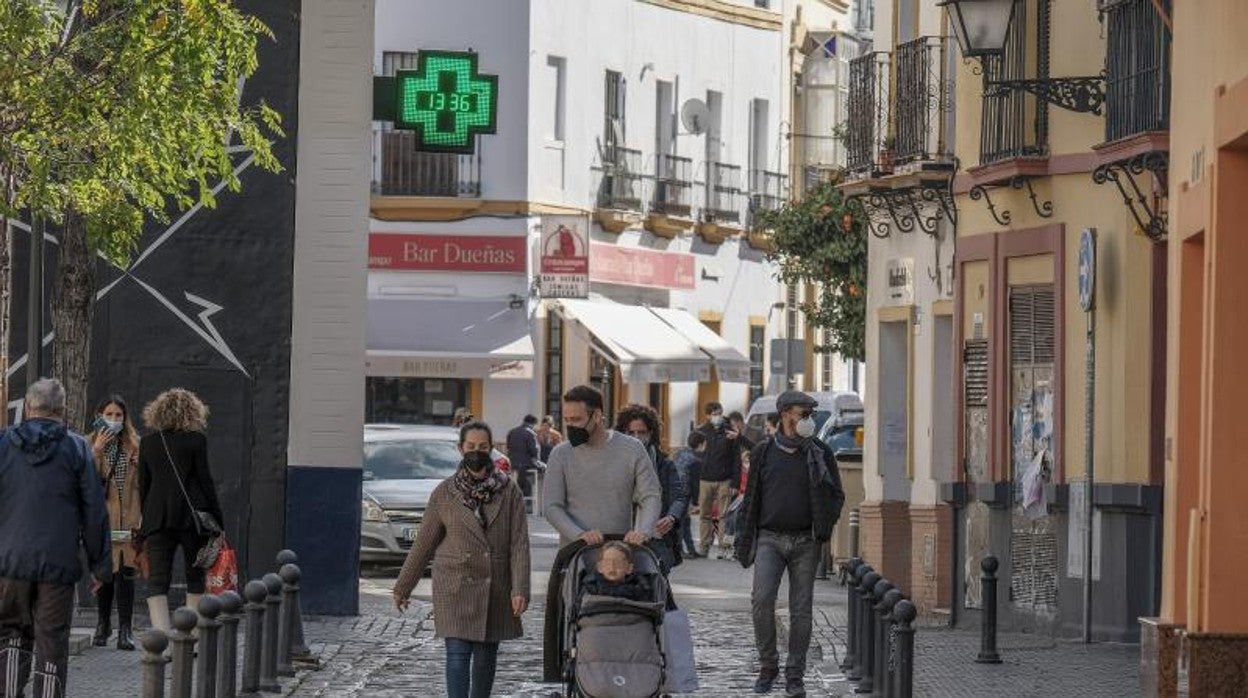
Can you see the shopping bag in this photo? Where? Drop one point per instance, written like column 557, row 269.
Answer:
column 682, row 671
column 223, row 575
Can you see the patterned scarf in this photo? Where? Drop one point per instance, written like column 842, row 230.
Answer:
column 118, row 463
column 475, row 494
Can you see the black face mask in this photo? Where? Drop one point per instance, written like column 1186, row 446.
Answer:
column 578, row 436
column 477, row 461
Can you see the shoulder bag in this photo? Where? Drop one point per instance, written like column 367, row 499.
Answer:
column 205, row 524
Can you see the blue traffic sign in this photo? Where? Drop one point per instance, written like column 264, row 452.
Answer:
column 1087, row 269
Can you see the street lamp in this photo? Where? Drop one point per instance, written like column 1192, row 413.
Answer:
column 982, row 27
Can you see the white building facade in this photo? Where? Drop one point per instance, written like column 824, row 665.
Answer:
column 660, row 127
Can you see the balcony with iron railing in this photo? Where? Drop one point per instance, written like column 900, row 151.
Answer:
column 400, row 170
column 673, row 186
column 768, row 191
column 1137, row 68
column 622, row 179
column 921, row 101
column 723, row 193
column 867, row 119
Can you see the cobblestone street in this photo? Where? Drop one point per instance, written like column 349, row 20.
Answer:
column 381, row 654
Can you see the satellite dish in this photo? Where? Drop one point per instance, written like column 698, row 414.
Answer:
column 695, row 117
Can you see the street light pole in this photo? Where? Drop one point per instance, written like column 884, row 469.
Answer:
column 34, row 305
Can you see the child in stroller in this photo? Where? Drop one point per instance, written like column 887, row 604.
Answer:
column 614, row 600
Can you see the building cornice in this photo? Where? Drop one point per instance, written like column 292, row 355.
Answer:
column 445, row 208
column 732, row 13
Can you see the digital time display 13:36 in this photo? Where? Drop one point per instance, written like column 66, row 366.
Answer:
column 459, row 102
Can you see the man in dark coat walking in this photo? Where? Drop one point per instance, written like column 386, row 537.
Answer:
column 524, row 451
column 50, row 498
column 792, row 500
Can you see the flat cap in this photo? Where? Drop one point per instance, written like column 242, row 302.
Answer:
column 794, row 398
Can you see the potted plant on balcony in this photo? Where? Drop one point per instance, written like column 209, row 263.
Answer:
column 886, row 155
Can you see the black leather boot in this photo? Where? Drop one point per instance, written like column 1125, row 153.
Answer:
column 102, row 631
column 125, row 640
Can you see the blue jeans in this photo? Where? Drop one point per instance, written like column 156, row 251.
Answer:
column 798, row 553
column 470, row 660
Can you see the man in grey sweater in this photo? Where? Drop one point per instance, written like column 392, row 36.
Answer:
column 599, row 481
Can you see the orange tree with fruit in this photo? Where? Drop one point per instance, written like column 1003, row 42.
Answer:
column 821, row 240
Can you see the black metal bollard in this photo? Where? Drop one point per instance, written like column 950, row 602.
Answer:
column 184, row 620
column 256, row 592
column 206, row 661
column 298, row 647
column 903, row 679
column 851, row 609
column 988, row 628
column 154, row 660
column 879, row 656
column 866, row 624
column 855, row 670
column 889, row 661
column 268, row 652
column 286, row 621
column 227, row 647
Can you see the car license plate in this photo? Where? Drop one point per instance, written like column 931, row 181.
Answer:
column 409, row 533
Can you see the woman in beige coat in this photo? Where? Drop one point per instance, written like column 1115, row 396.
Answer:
column 115, row 445
column 475, row 531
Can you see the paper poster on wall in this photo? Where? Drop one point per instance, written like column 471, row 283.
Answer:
column 895, row 434
column 1076, row 532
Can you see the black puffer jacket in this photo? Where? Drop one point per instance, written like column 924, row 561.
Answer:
column 827, row 497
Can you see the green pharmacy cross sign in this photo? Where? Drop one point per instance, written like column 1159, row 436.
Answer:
column 445, row 101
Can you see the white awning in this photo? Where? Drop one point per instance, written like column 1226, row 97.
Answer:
column 647, row 349
column 731, row 366
column 448, row 339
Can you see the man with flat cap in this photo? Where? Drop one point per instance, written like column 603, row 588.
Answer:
column 792, row 500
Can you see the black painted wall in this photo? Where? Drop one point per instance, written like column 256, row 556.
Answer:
column 156, row 328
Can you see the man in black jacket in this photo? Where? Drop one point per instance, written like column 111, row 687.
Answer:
column 792, row 500
column 721, row 472
column 50, row 498
column 523, row 451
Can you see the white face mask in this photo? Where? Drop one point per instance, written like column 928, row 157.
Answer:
column 718, row 420
column 806, row 428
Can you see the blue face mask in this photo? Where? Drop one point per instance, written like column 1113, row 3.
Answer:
column 108, row 425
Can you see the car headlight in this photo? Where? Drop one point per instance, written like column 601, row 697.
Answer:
column 373, row 511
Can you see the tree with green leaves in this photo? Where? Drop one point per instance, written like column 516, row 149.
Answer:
column 819, row 240
column 114, row 113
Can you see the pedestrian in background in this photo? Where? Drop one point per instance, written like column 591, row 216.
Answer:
column 642, row 423
column 50, row 499
column 772, row 424
column 462, row 416
column 792, row 501
column 548, row 437
column 175, row 484
column 524, row 452
column 476, row 533
column 688, row 462
column 737, row 421
column 115, row 447
column 721, row 470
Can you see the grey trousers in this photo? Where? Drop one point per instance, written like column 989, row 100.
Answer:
column 34, row 617
column 798, row 553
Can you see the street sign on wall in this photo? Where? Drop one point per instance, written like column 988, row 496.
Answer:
column 444, row 101
column 564, row 257
column 1087, row 269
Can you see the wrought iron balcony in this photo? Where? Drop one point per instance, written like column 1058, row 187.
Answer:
column 399, row 170
column 673, row 186
column 921, row 100
column 1137, row 68
column 723, row 193
column 1015, row 122
column 768, row 191
column 621, row 179
column 867, row 127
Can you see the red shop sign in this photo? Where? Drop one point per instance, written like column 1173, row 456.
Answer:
column 635, row 267
column 484, row 253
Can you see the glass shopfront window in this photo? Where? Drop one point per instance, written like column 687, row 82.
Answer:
column 414, row 400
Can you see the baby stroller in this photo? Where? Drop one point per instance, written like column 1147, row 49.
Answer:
column 613, row 648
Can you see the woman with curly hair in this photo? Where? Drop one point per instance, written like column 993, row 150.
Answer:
column 174, row 483
column 115, row 445
column 642, row 423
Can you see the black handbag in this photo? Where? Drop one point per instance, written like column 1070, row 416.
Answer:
column 206, row 525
